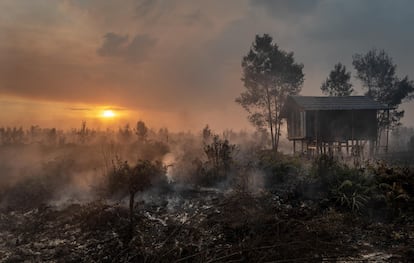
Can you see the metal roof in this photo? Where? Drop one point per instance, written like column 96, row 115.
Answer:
column 338, row 103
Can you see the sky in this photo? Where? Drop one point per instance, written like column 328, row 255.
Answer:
column 176, row 63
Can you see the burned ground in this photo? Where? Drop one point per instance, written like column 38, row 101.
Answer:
column 201, row 226
column 259, row 206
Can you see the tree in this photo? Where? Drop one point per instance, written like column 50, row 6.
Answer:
column 269, row 76
column 83, row 132
column 337, row 84
column 377, row 73
column 141, row 131
column 206, row 133
column 125, row 133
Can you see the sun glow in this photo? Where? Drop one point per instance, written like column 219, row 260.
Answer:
column 108, row 114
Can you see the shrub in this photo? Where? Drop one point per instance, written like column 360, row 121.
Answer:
column 129, row 180
column 277, row 167
column 219, row 162
column 346, row 187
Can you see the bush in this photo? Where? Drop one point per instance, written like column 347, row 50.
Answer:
column 348, row 188
column 277, row 167
column 219, row 164
column 395, row 188
column 124, row 178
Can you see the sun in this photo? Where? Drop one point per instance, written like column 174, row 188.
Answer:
column 108, row 114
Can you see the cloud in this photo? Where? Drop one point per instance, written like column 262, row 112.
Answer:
column 152, row 10
column 113, row 45
column 136, row 50
column 79, row 109
column 139, row 47
column 183, row 56
column 282, row 9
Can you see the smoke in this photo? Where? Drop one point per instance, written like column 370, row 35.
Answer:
column 75, row 166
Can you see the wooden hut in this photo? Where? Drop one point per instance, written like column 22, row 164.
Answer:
column 322, row 124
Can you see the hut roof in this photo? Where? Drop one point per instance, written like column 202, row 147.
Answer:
column 338, row 103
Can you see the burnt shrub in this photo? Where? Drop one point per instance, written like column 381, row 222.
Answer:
column 219, row 164
column 126, row 179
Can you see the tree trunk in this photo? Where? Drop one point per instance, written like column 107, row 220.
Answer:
column 131, row 212
column 269, row 109
column 278, row 107
column 278, row 135
column 278, row 124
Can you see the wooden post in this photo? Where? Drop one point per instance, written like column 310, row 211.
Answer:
column 294, row 147
column 347, row 147
column 388, row 131
column 316, row 132
column 352, row 131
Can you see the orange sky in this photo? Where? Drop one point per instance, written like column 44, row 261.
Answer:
column 176, row 63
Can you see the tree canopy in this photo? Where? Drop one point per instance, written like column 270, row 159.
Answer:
column 269, row 75
column 338, row 82
column 377, row 72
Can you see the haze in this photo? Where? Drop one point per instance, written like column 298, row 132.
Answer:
column 176, row 64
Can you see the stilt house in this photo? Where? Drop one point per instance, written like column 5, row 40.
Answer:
column 323, row 124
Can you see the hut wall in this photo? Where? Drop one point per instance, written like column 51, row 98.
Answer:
column 296, row 124
column 341, row 125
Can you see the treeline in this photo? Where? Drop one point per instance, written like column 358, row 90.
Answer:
column 83, row 135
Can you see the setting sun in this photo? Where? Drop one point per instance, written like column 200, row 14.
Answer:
column 108, row 114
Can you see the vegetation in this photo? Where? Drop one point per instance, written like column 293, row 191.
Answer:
column 141, row 131
column 134, row 179
column 377, row 72
column 338, row 83
column 375, row 189
column 257, row 200
column 219, row 154
column 269, row 76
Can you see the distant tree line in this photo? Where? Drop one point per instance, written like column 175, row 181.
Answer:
column 82, row 135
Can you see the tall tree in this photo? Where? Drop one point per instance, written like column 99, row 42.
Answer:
column 269, row 76
column 377, row 72
column 338, row 82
